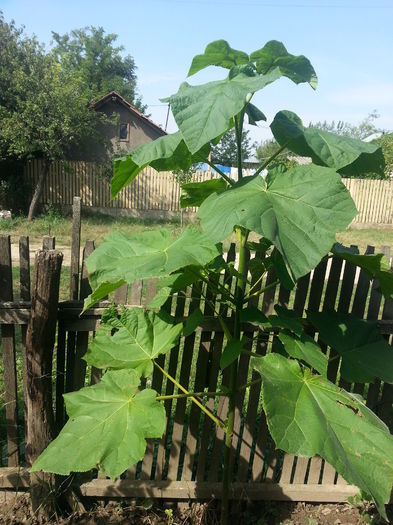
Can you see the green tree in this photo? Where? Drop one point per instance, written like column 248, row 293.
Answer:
column 364, row 130
column 269, row 148
column 386, row 143
column 95, row 56
column 225, row 151
column 44, row 108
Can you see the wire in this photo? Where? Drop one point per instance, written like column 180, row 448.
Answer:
column 269, row 4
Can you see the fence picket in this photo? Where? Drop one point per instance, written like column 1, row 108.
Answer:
column 192, row 450
column 9, row 355
column 160, row 191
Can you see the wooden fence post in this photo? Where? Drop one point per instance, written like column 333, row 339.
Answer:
column 9, row 356
column 40, row 341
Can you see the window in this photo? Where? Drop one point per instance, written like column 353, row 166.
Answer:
column 123, row 131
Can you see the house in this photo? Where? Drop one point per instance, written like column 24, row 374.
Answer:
column 126, row 129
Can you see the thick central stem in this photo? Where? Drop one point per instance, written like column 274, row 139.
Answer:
column 233, row 380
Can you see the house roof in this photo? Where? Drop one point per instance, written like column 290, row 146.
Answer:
column 114, row 96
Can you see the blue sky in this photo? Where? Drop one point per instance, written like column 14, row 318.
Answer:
column 349, row 42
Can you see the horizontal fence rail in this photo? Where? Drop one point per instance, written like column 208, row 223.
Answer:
column 186, row 462
column 160, row 192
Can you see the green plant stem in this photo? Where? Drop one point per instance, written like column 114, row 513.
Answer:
column 268, row 161
column 224, row 327
column 241, row 283
column 271, row 285
column 221, row 173
column 194, row 399
column 191, row 394
column 250, row 383
column 238, row 130
column 250, row 354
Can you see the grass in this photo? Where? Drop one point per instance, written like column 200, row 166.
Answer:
column 96, row 227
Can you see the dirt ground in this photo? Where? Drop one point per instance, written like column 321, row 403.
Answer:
column 17, row 511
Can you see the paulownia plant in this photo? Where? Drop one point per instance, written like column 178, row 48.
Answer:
column 295, row 214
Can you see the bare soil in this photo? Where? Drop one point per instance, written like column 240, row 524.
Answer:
column 17, row 511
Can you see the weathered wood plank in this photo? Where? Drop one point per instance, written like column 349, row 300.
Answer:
column 216, row 456
column 24, row 284
column 176, row 451
column 75, row 248
column 48, row 242
column 40, row 341
column 82, row 337
column 187, row 490
column 9, row 356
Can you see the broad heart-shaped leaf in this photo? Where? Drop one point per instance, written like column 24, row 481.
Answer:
column 204, row 112
column 254, row 114
column 274, row 54
column 126, row 258
column 253, row 315
column 192, row 322
column 346, row 155
column 107, row 427
column 365, row 353
column 218, row 53
column 307, row 415
column 299, row 211
column 174, row 283
column 232, row 351
column 376, row 267
column 286, row 319
column 163, row 154
column 194, row 193
column 305, row 349
column 281, row 269
column 140, row 337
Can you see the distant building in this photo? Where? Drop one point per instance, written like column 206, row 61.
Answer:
column 127, row 130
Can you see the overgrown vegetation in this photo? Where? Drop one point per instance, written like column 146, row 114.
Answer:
column 295, row 214
column 45, row 96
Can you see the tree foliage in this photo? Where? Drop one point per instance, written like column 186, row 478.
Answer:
column 45, row 97
column 296, row 214
column 364, row 130
column 97, row 58
column 386, row 143
column 225, row 151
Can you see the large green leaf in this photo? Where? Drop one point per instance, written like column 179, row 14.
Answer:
column 163, row 154
column 305, row 349
column 126, row 258
column 254, row 114
column 204, row 112
column 218, row 53
column 347, row 155
column 366, row 355
column 300, row 211
column 194, row 193
column 307, row 415
column 107, row 427
column 286, row 319
column 232, row 350
column 376, row 267
column 174, row 283
column 274, row 54
column 140, row 336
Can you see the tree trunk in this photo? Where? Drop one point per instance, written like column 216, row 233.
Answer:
column 38, row 190
column 40, row 340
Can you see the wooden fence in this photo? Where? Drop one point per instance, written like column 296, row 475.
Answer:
column 186, row 462
column 153, row 191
